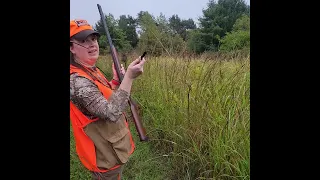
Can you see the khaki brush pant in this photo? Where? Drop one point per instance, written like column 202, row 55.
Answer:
column 110, row 175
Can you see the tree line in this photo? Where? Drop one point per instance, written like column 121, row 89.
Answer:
column 223, row 26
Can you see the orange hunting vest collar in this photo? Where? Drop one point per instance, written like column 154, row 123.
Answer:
column 84, row 146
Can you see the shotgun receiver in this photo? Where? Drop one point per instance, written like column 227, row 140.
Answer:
column 133, row 105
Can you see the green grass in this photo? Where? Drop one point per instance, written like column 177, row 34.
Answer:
column 197, row 114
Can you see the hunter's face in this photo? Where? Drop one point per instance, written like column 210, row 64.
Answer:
column 87, row 50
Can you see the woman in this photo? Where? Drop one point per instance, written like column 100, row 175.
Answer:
column 102, row 137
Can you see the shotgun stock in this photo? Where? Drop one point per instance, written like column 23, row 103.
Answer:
column 133, row 105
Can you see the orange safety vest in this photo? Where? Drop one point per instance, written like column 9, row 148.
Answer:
column 84, row 145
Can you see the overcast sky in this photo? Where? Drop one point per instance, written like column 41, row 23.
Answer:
column 87, row 9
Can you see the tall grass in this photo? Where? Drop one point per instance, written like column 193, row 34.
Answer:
column 197, row 114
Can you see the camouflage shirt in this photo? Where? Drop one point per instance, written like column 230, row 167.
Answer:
column 88, row 98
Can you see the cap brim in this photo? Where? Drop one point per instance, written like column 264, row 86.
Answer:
column 84, row 34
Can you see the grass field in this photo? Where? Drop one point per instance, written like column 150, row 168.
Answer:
column 197, row 114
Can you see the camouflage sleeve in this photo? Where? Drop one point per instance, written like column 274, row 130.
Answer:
column 86, row 95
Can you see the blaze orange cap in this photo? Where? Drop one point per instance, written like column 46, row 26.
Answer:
column 80, row 29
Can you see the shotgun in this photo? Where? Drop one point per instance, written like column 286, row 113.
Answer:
column 133, row 105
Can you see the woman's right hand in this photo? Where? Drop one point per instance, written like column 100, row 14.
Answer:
column 135, row 68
